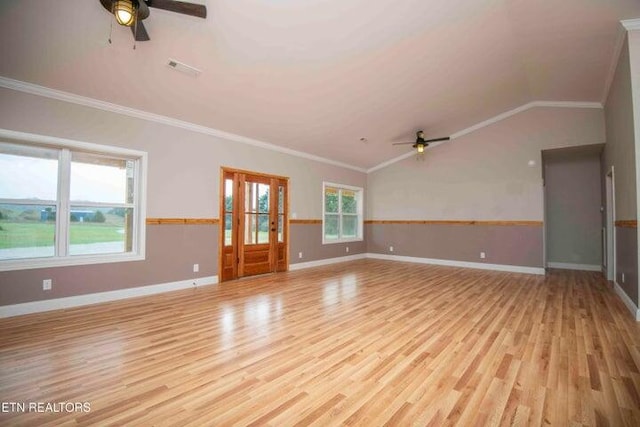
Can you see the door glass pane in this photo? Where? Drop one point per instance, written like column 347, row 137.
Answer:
column 101, row 179
column 250, row 229
column 228, row 195
column 331, row 226
column 280, row 228
column 331, row 200
column 228, row 227
column 349, row 203
column 27, row 231
column 99, row 230
column 250, row 197
column 280, row 199
column 263, row 198
column 263, row 228
column 350, row 226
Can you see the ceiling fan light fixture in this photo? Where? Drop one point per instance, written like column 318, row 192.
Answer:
column 420, row 143
column 125, row 12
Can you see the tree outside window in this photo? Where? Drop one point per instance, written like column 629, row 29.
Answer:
column 342, row 213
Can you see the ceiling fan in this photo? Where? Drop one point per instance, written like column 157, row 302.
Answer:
column 131, row 13
column 420, row 143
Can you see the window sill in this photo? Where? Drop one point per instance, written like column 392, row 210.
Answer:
column 30, row 264
column 331, row 242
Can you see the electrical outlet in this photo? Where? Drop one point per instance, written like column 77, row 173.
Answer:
column 299, row 254
column 196, row 268
column 347, row 248
column 46, row 285
column 483, row 255
column 390, row 248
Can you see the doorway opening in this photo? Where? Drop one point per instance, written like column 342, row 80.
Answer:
column 254, row 226
column 573, row 215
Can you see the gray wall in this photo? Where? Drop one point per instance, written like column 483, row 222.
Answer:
column 482, row 176
column 516, row 245
column 621, row 153
column 627, row 261
column 307, row 238
column 634, row 65
column 620, row 147
column 572, row 201
column 633, row 39
column 170, row 254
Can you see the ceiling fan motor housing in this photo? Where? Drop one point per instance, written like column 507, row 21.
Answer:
column 130, row 13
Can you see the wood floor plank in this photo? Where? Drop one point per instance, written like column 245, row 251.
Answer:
column 366, row 343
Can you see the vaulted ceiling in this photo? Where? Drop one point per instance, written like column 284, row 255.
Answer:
column 318, row 75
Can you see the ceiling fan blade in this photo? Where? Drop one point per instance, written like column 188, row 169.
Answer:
column 143, row 10
column 140, row 34
column 107, row 4
column 197, row 10
column 446, row 138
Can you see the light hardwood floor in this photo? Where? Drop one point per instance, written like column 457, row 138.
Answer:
column 360, row 343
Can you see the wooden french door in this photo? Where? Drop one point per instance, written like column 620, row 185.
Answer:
column 253, row 224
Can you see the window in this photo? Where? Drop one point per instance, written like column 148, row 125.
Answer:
column 342, row 213
column 67, row 203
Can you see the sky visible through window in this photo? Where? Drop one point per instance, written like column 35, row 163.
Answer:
column 35, row 178
column 28, row 177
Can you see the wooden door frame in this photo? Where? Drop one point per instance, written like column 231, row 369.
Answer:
column 221, row 227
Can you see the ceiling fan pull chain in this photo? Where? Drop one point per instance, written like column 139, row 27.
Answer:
column 110, row 29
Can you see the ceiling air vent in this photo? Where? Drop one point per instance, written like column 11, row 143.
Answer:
column 183, row 68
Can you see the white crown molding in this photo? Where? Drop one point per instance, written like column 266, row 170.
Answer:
column 394, row 160
column 566, row 104
column 613, row 65
column 100, row 297
column 625, row 25
column 493, row 120
column 144, row 115
column 132, row 112
column 631, row 24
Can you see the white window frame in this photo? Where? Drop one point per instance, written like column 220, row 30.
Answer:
column 65, row 147
column 360, row 213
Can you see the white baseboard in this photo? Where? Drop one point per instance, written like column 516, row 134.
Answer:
column 633, row 308
column 80, row 300
column 328, row 261
column 570, row 266
column 463, row 264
